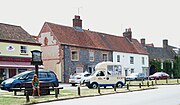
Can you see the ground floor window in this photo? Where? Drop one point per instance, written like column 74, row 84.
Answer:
column 2, row 74
column 126, row 72
column 21, row 70
column 132, row 70
column 91, row 69
column 79, row 69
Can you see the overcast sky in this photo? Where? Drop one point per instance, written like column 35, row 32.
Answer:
column 153, row 20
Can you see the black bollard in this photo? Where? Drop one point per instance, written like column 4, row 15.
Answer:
column 127, row 86
column 27, row 96
column 152, row 83
column 56, row 92
column 139, row 85
column 79, row 91
column 178, row 81
column 115, row 87
column 166, row 81
column 142, row 81
column 15, row 93
column 148, row 83
column 99, row 91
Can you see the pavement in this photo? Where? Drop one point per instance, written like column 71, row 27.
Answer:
column 164, row 95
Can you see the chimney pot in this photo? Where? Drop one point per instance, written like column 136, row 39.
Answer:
column 77, row 22
column 143, row 43
column 165, row 43
column 128, row 34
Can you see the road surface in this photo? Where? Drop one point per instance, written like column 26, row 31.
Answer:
column 164, row 95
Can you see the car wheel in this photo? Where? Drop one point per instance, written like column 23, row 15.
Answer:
column 73, row 84
column 52, row 85
column 119, row 85
column 94, row 85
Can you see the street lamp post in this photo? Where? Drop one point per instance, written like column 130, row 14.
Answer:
column 36, row 59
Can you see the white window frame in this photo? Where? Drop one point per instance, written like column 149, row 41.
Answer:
column 118, row 58
column 77, row 58
column 132, row 70
column 91, row 56
column 131, row 60
column 23, row 51
column 103, row 58
column 79, row 69
column 143, row 61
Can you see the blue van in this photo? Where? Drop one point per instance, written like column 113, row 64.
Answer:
column 27, row 76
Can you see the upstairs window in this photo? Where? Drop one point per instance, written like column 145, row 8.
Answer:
column 143, row 62
column 74, row 55
column 23, row 49
column 105, row 57
column 131, row 60
column 91, row 56
column 118, row 58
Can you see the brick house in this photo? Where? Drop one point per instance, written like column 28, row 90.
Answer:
column 167, row 52
column 15, row 50
column 69, row 49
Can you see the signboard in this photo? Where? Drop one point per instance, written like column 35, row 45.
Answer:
column 14, row 59
column 36, row 57
column 10, row 48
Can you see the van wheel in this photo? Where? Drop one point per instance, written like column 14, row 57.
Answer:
column 119, row 85
column 94, row 85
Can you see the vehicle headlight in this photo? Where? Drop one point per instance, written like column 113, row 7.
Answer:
column 9, row 81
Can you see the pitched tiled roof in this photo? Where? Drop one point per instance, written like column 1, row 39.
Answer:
column 86, row 38
column 160, row 53
column 15, row 33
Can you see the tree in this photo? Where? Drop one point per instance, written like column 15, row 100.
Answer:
column 157, row 65
column 176, row 70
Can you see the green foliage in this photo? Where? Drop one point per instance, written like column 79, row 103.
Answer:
column 157, row 65
column 176, row 69
column 167, row 67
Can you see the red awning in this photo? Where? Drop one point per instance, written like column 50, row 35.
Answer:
column 16, row 64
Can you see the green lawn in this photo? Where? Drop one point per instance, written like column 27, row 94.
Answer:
column 158, row 82
column 7, row 98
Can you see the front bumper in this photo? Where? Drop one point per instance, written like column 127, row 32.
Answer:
column 3, row 87
column 74, row 81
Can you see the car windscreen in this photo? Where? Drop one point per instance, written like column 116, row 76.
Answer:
column 21, row 74
column 134, row 74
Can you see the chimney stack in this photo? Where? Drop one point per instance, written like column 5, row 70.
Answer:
column 143, row 43
column 77, row 22
column 165, row 43
column 128, row 34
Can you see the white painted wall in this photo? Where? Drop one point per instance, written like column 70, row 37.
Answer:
column 138, row 66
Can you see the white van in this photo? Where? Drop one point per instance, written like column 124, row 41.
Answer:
column 106, row 74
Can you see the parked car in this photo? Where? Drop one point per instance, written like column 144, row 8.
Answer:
column 159, row 75
column 27, row 76
column 136, row 76
column 78, row 78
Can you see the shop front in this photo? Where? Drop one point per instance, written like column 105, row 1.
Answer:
column 10, row 66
